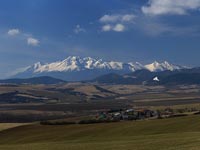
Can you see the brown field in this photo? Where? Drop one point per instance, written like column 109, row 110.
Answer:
column 27, row 103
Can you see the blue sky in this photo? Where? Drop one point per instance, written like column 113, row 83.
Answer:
column 124, row 30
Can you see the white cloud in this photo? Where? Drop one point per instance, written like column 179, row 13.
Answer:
column 119, row 28
column 109, row 18
column 177, row 7
column 117, row 18
column 116, row 22
column 32, row 41
column 128, row 17
column 13, row 32
column 79, row 29
column 107, row 28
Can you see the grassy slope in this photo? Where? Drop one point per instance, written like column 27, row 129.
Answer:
column 4, row 126
column 168, row 134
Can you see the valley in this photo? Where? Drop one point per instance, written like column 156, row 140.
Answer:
column 36, row 102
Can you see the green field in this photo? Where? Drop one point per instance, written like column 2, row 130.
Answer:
column 166, row 134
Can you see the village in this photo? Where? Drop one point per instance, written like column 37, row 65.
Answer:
column 142, row 114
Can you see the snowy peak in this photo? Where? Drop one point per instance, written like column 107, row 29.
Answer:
column 135, row 66
column 37, row 65
column 156, row 66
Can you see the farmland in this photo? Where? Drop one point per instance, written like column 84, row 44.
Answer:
column 163, row 134
column 26, row 103
column 77, row 101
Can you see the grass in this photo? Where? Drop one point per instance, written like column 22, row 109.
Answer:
column 168, row 134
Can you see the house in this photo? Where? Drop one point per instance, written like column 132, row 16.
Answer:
column 145, row 113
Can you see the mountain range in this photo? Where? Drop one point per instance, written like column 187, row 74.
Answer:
column 75, row 68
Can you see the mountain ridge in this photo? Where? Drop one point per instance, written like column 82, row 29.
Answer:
column 75, row 68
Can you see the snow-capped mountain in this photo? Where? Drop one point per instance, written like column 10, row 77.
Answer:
column 156, row 66
column 74, row 63
column 75, row 68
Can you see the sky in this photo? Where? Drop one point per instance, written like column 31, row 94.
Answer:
column 120, row 30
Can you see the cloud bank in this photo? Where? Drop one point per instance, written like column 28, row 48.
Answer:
column 173, row 7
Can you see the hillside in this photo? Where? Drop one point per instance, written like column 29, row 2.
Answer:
column 176, row 77
column 168, row 134
column 35, row 80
